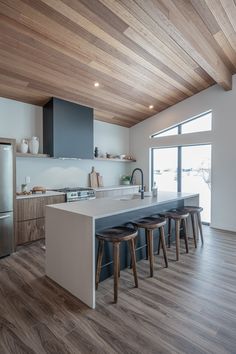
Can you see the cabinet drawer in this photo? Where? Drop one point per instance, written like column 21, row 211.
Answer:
column 32, row 208
column 30, row 230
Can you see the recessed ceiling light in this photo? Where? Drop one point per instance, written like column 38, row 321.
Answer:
column 96, row 84
column 151, row 106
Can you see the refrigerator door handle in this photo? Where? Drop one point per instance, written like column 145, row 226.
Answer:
column 5, row 216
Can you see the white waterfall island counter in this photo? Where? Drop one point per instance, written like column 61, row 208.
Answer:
column 70, row 236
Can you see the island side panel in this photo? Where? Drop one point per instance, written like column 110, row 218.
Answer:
column 70, row 253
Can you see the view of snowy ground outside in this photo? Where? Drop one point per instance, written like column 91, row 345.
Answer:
column 196, row 173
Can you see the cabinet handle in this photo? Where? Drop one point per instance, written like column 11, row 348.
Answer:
column 4, row 216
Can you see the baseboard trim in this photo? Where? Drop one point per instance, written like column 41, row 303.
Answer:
column 227, row 231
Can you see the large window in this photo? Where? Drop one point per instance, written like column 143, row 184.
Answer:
column 197, row 124
column 185, row 169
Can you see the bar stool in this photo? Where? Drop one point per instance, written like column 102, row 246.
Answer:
column 116, row 235
column 195, row 213
column 178, row 217
column 150, row 224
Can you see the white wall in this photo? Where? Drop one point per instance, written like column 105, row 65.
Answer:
column 111, row 138
column 222, row 137
column 54, row 173
column 20, row 120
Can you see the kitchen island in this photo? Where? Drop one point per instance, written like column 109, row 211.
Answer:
column 70, row 236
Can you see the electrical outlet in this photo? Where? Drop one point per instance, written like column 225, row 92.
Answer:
column 27, row 179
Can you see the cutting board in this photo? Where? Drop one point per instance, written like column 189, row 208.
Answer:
column 100, row 181
column 93, row 177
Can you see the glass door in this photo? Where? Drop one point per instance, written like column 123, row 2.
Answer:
column 165, row 168
column 196, row 175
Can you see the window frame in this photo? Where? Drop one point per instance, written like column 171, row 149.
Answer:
column 179, row 160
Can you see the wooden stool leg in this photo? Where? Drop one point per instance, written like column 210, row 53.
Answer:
column 135, row 245
column 119, row 267
column 99, row 261
column 163, row 242
column 200, row 226
column 185, row 234
column 177, row 241
column 150, row 250
column 116, row 256
column 159, row 244
column 194, row 230
column 169, row 232
column 146, row 239
column 133, row 257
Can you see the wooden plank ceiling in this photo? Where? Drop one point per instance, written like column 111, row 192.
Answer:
column 142, row 52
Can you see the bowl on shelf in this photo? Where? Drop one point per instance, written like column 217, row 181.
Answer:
column 122, row 156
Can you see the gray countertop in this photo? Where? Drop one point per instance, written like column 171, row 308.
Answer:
column 39, row 195
column 50, row 193
column 103, row 207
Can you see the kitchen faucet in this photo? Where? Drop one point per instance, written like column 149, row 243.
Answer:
column 131, row 181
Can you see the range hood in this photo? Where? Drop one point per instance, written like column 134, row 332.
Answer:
column 67, row 130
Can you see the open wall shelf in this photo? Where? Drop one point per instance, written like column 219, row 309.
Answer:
column 114, row 160
column 19, row 154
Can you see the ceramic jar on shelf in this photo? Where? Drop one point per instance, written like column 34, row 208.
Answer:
column 24, row 146
column 34, row 145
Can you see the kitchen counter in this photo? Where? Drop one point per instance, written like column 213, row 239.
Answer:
column 38, row 195
column 50, row 193
column 100, row 208
column 70, row 236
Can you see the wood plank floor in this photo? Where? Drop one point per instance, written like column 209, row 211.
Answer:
column 188, row 308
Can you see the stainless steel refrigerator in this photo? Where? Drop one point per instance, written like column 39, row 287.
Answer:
column 6, row 200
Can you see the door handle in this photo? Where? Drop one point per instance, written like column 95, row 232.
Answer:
column 4, row 216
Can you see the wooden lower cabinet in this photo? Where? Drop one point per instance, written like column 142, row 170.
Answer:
column 31, row 217
column 30, row 230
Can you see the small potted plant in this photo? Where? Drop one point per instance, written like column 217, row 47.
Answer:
column 125, row 179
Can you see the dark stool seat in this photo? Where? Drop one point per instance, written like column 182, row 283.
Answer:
column 195, row 213
column 193, row 209
column 116, row 235
column 150, row 224
column 175, row 214
column 178, row 216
